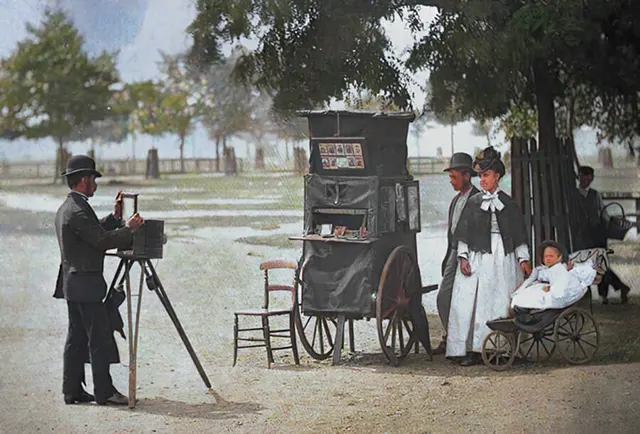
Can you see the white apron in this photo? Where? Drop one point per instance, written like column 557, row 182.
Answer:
column 483, row 296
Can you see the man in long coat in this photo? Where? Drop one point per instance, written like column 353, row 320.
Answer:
column 83, row 240
column 460, row 173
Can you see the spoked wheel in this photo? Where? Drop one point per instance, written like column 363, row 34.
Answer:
column 316, row 332
column 537, row 347
column 576, row 335
column 499, row 350
column 400, row 279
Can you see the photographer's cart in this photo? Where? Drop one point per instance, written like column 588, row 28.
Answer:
column 361, row 216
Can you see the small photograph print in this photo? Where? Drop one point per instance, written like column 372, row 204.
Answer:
column 348, row 148
column 339, row 149
column 331, row 148
column 332, row 162
column 342, row 163
column 352, row 162
column 323, row 149
column 356, row 149
column 359, row 163
column 325, row 163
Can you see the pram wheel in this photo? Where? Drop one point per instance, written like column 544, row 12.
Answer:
column 576, row 335
column 539, row 346
column 499, row 350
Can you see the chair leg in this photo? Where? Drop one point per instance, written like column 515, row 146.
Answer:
column 292, row 333
column 267, row 340
column 235, row 339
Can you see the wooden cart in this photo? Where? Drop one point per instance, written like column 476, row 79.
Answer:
column 361, row 216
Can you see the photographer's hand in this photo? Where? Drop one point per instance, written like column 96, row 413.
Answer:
column 135, row 222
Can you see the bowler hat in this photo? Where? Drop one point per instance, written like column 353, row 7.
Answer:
column 586, row 170
column 81, row 163
column 461, row 160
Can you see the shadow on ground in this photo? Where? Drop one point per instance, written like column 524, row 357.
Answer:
column 619, row 342
column 221, row 409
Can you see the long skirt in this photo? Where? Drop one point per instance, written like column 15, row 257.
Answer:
column 481, row 297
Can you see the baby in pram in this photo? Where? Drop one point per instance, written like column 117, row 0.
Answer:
column 554, row 284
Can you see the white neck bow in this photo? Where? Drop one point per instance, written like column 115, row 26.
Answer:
column 490, row 201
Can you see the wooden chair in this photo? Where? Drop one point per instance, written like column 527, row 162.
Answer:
column 264, row 314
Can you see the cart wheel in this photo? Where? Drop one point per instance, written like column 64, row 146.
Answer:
column 399, row 280
column 499, row 350
column 537, row 347
column 576, row 335
column 316, row 332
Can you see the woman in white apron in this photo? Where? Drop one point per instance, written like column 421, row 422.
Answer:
column 492, row 255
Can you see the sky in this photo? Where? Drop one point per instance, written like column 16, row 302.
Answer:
column 140, row 28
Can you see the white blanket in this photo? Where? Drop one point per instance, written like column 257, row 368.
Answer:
column 566, row 287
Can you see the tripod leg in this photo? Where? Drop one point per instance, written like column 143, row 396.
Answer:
column 164, row 299
column 115, row 276
column 132, row 358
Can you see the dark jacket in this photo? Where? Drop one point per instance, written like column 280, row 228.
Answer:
column 450, row 243
column 474, row 227
column 593, row 224
column 83, row 240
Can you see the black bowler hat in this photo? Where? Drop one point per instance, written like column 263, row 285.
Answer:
column 460, row 161
column 81, row 163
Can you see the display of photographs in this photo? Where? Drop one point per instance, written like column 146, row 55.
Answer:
column 341, row 155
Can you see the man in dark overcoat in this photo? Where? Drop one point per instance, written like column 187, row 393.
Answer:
column 594, row 232
column 83, row 240
column 460, row 173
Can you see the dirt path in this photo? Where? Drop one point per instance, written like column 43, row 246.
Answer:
column 363, row 395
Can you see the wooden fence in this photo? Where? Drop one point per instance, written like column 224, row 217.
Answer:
column 427, row 165
column 544, row 185
column 45, row 169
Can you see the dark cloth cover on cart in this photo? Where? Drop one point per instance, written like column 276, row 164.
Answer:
column 342, row 192
column 343, row 277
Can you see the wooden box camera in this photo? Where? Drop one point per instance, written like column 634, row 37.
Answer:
column 148, row 240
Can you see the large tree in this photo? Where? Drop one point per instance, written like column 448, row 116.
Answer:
column 228, row 104
column 52, row 86
column 182, row 104
column 499, row 56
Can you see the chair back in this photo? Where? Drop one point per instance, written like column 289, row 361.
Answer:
column 269, row 288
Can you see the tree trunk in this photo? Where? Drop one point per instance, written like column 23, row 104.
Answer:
column 452, row 148
column 259, row 161
column 546, row 110
column 286, row 149
column 182, row 154
column 217, row 153
column 60, row 161
column 133, row 155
